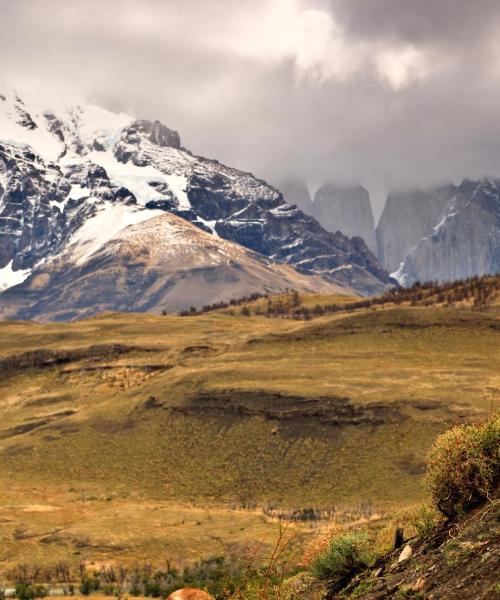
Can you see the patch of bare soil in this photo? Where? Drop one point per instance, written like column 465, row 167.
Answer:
column 326, row 410
column 44, row 358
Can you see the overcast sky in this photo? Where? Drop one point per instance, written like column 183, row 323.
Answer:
column 388, row 93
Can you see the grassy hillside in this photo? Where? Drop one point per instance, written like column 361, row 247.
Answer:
column 130, row 436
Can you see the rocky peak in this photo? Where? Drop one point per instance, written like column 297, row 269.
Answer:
column 346, row 209
column 450, row 232
column 295, row 191
column 154, row 131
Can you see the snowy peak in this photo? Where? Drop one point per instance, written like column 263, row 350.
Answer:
column 52, row 133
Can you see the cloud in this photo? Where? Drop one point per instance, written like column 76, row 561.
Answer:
column 390, row 93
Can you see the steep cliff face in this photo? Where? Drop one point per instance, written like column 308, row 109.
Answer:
column 295, row 191
column 337, row 208
column 407, row 218
column 452, row 232
column 346, row 209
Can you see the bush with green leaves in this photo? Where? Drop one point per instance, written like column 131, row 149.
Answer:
column 346, row 555
column 464, row 466
column 89, row 584
column 26, row 591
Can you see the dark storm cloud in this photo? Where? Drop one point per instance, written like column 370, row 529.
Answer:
column 391, row 93
column 448, row 21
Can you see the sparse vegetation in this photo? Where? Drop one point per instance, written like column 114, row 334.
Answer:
column 478, row 293
column 344, row 555
column 346, row 402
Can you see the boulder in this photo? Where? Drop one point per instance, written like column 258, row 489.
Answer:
column 190, row 594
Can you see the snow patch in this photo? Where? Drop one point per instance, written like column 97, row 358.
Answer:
column 103, row 227
column 399, row 275
column 92, row 122
column 138, row 179
column 209, row 224
column 9, row 278
column 77, row 192
column 451, row 213
column 178, row 184
column 39, row 139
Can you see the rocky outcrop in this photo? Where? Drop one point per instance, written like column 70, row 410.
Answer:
column 337, row 208
column 406, row 219
column 452, row 232
column 346, row 209
column 296, row 192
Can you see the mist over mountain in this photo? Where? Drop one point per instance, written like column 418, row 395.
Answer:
column 387, row 95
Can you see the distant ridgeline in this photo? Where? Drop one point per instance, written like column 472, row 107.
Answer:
column 478, row 293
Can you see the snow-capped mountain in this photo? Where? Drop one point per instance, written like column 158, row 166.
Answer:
column 61, row 167
column 450, row 232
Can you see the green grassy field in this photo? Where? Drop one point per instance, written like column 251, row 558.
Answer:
column 171, row 444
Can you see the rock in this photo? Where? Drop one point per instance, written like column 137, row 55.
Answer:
column 418, row 585
column 296, row 192
column 407, row 218
column 405, row 554
column 444, row 234
column 154, row 131
column 397, row 540
column 190, row 594
column 346, row 209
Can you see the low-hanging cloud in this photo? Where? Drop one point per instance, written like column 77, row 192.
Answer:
column 388, row 93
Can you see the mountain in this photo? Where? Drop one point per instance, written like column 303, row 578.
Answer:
column 347, row 209
column 338, row 208
column 59, row 168
column 447, row 233
column 295, row 191
column 147, row 266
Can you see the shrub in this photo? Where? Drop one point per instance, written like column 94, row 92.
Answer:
column 25, row 591
column 346, row 555
column 411, row 521
column 109, row 589
column 424, row 521
column 89, row 585
column 463, row 467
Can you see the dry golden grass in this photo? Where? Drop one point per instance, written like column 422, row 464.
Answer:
column 151, row 472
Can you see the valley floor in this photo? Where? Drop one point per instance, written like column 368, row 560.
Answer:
column 131, row 437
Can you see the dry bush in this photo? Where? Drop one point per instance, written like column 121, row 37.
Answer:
column 463, row 466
